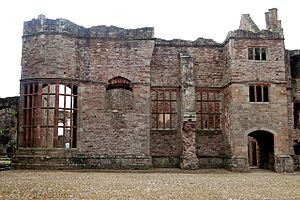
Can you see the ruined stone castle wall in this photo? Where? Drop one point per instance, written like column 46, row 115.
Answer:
column 138, row 101
column 208, row 70
column 103, row 127
column 60, row 51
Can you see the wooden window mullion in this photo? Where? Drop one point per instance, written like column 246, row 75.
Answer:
column 170, row 109
column 157, row 115
column 163, row 107
column 201, row 112
column 64, row 118
column 27, row 117
column 208, row 112
column 214, row 110
column 48, row 114
column 39, row 115
column 71, row 117
column 32, row 116
column 56, row 113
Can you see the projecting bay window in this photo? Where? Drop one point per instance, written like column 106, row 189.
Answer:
column 259, row 93
column 49, row 117
column 208, row 109
column 257, row 53
column 163, row 109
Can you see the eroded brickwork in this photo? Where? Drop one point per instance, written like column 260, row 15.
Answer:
column 9, row 108
column 137, row 101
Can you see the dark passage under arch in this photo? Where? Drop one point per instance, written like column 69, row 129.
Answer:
column 261, row 149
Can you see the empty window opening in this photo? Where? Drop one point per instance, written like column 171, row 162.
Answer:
column 296, row 115
column 257, row 53
column 251, row 93
column 297, row 148
column 163, row 108
column 208, row 109
column 295, row 66
column 265, row 93
column 49, row 115
column 259, row 93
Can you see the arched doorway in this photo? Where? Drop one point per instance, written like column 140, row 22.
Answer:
column 261, row 150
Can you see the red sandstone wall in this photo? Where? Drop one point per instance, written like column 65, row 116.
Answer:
column 208, row 61
column 246, row 116
column 59, row 49
column 117, row 133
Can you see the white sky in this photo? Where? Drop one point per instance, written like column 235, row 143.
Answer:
column 185, row 19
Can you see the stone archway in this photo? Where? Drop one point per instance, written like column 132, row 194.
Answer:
column 261, row 150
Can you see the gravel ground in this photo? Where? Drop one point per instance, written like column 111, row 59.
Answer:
column 152, row 184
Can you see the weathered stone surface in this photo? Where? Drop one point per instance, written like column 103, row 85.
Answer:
column 114, row 123
column 189, row 159
column 248, row 24
column 8, row 124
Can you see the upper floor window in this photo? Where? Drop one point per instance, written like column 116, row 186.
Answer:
column 257, row 53
column 259, row 93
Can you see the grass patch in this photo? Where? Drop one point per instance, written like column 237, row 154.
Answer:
column 5, row 162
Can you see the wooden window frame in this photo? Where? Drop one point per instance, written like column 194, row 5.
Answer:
column 217, row 112
column 32, row 108
column 166, row 103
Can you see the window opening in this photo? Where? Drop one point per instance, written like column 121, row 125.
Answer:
column 297, row 115
column 258, row 53
column 163, row 108
column 208, row 109
column 49, row 115
column 259, row 93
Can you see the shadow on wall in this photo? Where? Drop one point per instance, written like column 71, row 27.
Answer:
column 8, row 124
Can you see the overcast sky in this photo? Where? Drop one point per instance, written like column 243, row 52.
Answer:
column 184, row 19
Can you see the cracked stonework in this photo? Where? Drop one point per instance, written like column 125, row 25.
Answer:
column 189, row 158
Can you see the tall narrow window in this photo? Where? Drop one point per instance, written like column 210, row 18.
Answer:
column 49, row 115
column 266, row 93
column 257, row 53
column 208, row 108
column 30, row 102
column 163, row 108
column 250, row 54
column 252, row 93
column 259, row 93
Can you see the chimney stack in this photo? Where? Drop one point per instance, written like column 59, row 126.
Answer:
column 272, row 22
